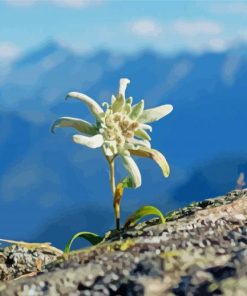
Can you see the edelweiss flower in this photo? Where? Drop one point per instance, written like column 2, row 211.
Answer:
column 120, row 129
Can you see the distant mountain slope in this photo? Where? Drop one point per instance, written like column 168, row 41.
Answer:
column 43, row 175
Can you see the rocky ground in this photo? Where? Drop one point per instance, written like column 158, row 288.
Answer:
column 201, row 250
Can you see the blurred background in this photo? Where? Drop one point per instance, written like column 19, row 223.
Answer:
column 191, row 54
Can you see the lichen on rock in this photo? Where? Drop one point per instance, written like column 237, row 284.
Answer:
column 201, row 250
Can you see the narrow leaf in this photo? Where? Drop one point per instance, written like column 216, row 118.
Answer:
column 156, row 156
column 118, row 105
column 113, row 99
column 127, row 108
column 93, row 238
column 129, row 101
column 127, row 182
column 79, row 124
column 143, row 212
column 137, row 110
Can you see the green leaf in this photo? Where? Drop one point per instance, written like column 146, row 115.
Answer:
column 113, row 99
column 127, row 182
column 129, row 101
column 143, row 212
column 137, row 110
column 118, row 105
column 127, row 108
column 93, row 238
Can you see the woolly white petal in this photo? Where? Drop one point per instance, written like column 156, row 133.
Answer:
column 157, row 156
column 93, row 106
column 79, row 124
column 141, row 133
column 146, row 127
column 155, row 114
column 91, row 142
column 132, row 168
column 123, row 85
column 144, row 143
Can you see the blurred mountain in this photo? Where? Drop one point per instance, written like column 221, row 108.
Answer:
column 44, row 176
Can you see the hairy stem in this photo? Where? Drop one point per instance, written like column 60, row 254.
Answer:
column 113, row 189
column 112, row 176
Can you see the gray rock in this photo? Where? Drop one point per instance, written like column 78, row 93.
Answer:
column 201, row 250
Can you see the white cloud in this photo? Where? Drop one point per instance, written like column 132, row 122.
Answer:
column 209, row 45
column 146, row 28
column 61, row 3
column 217, row 44
column 8, row 51
column 198, row 27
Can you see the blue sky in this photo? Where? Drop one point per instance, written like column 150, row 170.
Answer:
column 122, row 26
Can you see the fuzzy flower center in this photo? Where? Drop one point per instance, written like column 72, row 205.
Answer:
column 119, row 127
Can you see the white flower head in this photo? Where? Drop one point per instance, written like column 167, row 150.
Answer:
column 120, row 129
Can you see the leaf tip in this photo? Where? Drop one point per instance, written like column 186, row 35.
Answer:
column 76, row 139
column 53, row 128
column 170, row 108
column 69, row 95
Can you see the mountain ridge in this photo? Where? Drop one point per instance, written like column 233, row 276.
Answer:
column 208, row 93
